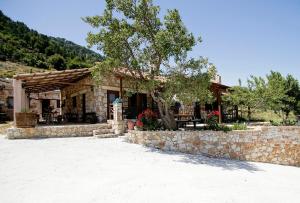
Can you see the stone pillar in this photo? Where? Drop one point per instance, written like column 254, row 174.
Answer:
column 21, row 101
column 118, row 123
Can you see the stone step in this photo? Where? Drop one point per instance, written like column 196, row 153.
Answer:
column 104, row 126
column 108, row 135
column 103, row 131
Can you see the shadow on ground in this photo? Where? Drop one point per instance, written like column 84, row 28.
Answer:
column 226, row 164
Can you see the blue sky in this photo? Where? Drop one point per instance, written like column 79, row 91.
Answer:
column 241, row 37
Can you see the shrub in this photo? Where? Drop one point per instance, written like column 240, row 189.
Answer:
column 239, row 126
column 148, row 120
column 213, row 123
column 212, row 120
column 283, row 123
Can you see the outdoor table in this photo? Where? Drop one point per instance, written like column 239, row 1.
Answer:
column 195, row 121
column 186, row 116
column 183, row 122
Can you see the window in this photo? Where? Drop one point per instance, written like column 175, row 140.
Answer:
column 10, row 102
column 74, row 103
column 58, row 103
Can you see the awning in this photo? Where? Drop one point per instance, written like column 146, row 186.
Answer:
column 49, row 81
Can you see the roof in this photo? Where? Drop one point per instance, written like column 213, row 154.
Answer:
column 54, row 80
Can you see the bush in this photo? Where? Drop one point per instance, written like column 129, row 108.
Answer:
column 148, row 120
column 212, row 120
column 283, row 123
column 239, row 126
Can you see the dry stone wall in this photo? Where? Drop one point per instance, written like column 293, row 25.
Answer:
column 279, row 145
column 55, row 131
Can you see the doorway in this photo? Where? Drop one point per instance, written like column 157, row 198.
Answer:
column 83, row 107
column 111, row 97
column 137, row 103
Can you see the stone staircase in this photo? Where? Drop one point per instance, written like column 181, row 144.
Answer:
column 105, row 131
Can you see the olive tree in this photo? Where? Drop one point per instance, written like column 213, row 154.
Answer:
column 153, row 50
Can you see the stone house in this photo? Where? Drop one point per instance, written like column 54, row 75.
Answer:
column 82, row 96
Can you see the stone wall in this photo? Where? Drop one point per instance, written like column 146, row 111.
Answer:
column 35, row 102
column 96, row 96
column 55, row 131
column 279, row 145
column 6, row 94
column 77, row 91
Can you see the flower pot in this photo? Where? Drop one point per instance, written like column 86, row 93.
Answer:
column 25, row 120
column 130, row 125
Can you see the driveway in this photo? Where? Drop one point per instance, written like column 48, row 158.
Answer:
column 63, row 170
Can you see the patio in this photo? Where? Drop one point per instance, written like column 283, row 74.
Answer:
column 111, row 170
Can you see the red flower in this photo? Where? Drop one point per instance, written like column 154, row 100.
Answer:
column 139, row 123
column 141, row 116
column 216, row 113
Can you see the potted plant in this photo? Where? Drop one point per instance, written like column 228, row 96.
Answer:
column 130, row 125
column 25, row 119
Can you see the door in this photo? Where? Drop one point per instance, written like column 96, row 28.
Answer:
column 111, row 97
column 45, row 106
column 137, row 103
column 83, row 107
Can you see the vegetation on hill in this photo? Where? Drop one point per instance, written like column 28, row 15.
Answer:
column 9, row 69
column 20, row 44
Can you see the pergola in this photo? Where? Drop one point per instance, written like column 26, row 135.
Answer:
column 24, row 84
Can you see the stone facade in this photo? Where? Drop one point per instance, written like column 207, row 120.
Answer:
column 35, row 102
column 278, row 145
column 96, row 96
column 6, row 97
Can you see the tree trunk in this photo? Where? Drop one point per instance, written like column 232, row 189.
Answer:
column 249, row 114
column 166, row 114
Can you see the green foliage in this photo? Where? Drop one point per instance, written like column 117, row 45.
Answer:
column 277, row 93
column 57, row 61
column 154, row 52
column 20, row 44
column 283, row 123
column 239, row 126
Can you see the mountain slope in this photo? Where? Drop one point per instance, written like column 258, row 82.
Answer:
column 18, row 43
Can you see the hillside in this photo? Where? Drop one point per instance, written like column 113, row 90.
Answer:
column 9, row 69
column 18, row 43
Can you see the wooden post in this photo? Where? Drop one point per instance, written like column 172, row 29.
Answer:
column 121, row 87
column 121, row 94
column 219, row 106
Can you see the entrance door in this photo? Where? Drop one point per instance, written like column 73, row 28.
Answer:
column 45, row 106
column 83, row 107
column 111, row 97
column 137, row 103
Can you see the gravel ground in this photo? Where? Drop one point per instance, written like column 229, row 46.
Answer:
column 63, row 170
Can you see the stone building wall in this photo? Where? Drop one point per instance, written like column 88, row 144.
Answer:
column 35, row 102
column 6, row 93
column 279, row 145
column 96, row 96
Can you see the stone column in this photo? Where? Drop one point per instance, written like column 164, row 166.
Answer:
column 118, row 123
column 20, row 99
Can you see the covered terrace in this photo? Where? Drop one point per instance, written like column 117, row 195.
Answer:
column 26, row 84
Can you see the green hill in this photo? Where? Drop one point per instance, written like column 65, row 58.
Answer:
column 9, row 69
column 20, row 44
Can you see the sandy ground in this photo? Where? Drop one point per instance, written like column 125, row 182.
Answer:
column 63, row 170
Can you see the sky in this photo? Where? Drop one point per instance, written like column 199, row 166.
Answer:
column 241, row 37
